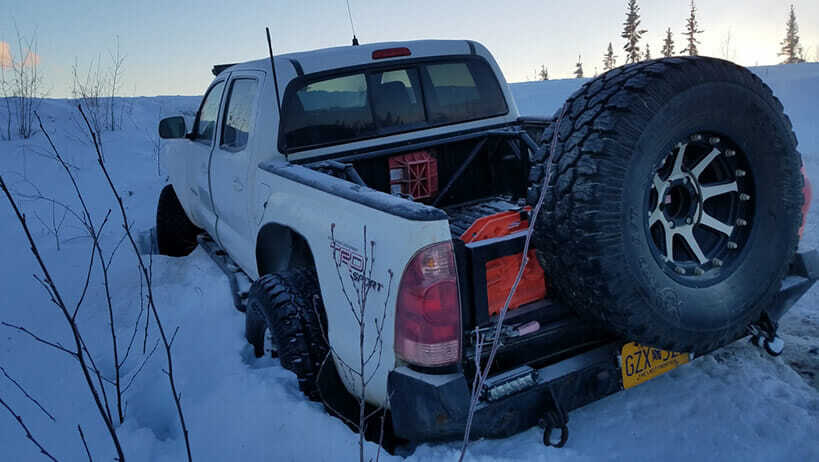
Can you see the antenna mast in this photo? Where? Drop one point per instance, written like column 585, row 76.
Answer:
column 352, row 27
column 273, row 66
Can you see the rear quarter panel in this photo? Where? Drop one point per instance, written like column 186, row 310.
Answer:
column 334, row 228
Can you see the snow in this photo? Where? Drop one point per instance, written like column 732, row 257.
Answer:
column 737, row 403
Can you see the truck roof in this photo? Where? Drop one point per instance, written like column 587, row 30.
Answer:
column 307, row 62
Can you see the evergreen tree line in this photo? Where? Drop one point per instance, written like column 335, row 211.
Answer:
column 791, row 49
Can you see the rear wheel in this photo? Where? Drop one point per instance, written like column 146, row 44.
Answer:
column 288, row 305
column 175, row 233
column 673, row 204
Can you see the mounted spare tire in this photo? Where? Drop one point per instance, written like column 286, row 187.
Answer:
column 673, row 201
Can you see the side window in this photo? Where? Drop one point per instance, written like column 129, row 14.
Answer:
column 206, row 123
column 237, row 124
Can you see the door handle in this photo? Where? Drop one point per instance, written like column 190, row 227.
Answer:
column 237, row 185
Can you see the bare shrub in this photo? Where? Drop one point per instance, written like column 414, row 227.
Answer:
column 97, row 86
column 21, row 85
column 369, row 358
column 98, row 384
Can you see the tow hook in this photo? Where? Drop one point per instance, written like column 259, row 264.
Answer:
column 555, row 418
column 763, row 335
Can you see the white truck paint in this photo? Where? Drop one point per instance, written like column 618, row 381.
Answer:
column 227, row 193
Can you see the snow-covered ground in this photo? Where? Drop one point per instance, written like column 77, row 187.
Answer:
column 736, row 404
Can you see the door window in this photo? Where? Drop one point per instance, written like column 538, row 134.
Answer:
column 206, row 123
column 237, row 123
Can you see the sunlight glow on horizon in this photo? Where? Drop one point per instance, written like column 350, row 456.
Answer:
column 170, row 48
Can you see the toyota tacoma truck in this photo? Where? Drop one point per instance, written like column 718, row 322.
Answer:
column 671, row 199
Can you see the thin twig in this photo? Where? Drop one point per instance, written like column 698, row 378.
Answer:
column 40, row 339
column 483, row 374
column 139, row 368
column 58, row 299
column 24, row 392
column 25, row 429
column 84, row 443
column 151, row 304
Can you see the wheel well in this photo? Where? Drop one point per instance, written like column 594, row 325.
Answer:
column 279, row 247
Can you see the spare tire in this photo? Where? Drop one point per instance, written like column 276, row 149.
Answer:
column 673, row 201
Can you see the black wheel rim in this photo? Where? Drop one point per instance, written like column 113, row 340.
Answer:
column 700, row 208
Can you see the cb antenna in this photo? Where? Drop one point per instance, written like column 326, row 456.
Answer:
column 352, row 26
column 273, row 66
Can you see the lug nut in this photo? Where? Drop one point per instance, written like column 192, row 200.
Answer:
column 744, row 197
column 741, row 222
column 730, row 153
column 679, row 269
column 740, row 173
column 671, row 224
column 717, row 262
column 688, row 220
column 713, row 140
column 699, row 271
column 732, row 245
column 696, row 137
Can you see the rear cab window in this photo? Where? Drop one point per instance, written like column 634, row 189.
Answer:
column 387, row 100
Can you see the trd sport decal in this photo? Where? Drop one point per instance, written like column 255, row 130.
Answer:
column 343, row 255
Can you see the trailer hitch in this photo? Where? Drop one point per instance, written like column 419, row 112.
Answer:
column 555, row 418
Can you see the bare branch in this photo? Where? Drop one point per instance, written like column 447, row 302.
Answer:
column 40, row 339
column 58, row 299
column 24, row 392
column 26, row 430
column 139, row 368
column 151, row 304
column 84, row 443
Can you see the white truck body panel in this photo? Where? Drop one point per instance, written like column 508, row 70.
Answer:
column 228, row 195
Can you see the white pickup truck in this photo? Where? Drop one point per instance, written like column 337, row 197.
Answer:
column 671, row 207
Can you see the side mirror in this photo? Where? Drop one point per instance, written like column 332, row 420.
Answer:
column 172, row 127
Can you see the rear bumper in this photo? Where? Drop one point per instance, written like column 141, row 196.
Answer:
column 428, row 407
column 435, row 407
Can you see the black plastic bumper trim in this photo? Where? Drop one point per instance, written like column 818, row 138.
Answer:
column 426, row 408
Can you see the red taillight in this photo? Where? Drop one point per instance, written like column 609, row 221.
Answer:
column 391, row 53
column 428, row 318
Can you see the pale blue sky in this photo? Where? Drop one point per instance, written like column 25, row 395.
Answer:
column 171, row 45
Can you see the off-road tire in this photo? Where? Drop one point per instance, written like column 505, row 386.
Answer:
column 291, row 308
column 175, row 234
column 592, row 238
column 289, row 305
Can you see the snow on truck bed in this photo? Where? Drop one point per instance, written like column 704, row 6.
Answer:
column 736, row 404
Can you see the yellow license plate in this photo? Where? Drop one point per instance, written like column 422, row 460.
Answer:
column 640, row 363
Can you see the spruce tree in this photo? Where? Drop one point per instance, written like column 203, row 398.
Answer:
column 668, row 44
column 544, row 73
column 578, row 72
column 691, row 31
column 791, row 49
column 632, row 32
column 609, row 59
column 647, row 56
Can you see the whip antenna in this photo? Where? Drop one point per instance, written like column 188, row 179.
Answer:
column 273, row 66
column 352, row 26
